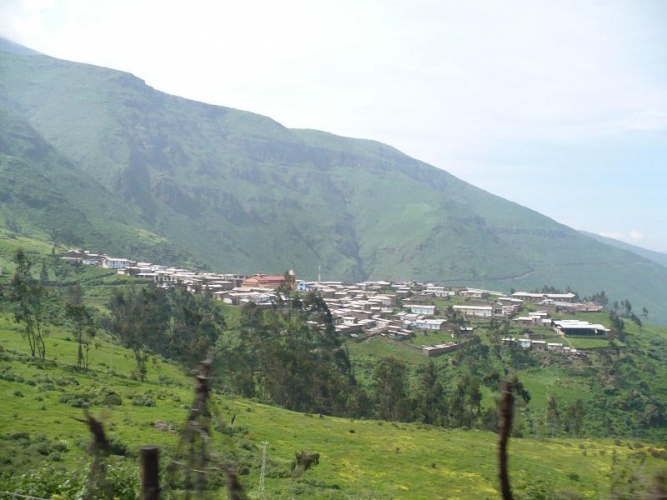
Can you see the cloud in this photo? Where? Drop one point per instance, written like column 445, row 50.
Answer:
column 634, row 235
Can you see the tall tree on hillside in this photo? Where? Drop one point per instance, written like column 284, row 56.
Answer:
column 43, row 275
column 473, row 396
column 290, row 354
column 553, row 415
column 196, row 324
column 60, row 269
column 84, row 332
column 431, row 404
column 84, row 326
column 466, row 401
column 139, row 319
column 241, row 353
column 390, row 388
column 27, row 296
column 617, row 325
column 573, row 419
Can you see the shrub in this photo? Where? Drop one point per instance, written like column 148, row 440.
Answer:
column 143, row 400
column 60, row 446
column 20, row 436
column 77, row 400
column 109, row 398
column 119, row 448
column 43, row 449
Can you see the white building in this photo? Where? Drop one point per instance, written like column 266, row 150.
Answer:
column 478, row 311
column 113, row 263
column 430, row 324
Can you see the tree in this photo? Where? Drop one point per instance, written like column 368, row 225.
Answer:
column 84, row 326
column 54, row 236
column 27, row 297
column 139, row 319
column 520, row 390
column 84, row 332
column 473, row 396
column 431, row 404
column 43, row 275
column 600, row 298
column 290, row 354
column 617, row 325
column 466, row 401
column 553, row 417
column 574, row 417
column 390, row 386
column 60, row 268
column 196, row 324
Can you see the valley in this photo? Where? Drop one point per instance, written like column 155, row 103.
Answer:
column 554, row 450
column 288, row 313
column 96, row 158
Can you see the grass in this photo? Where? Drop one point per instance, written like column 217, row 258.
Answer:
column 359, row 458
column 425, row 337
column 382, row 347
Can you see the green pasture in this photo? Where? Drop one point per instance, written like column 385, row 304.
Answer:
column 359, row 458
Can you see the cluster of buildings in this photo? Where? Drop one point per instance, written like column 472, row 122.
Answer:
column 95, row 259
column 373, row 307
column 541, row 345
column 564, row 328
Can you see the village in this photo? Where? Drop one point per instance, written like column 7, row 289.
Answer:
column 395, row 310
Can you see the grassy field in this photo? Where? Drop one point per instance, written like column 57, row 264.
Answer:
column 359, row 459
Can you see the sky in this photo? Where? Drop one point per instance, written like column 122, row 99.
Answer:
column 560, row 106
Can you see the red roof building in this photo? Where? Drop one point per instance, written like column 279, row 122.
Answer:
column 264, row 281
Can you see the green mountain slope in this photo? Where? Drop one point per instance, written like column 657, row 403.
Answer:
column 246, row 194
column 44, row 196
column 657, row 257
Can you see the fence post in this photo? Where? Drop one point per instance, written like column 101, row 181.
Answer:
column 150, row 473
column 506, row 415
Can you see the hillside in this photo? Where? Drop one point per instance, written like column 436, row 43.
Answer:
column 44, row 194
column 586, row 424
column 178, row 180
column 657, row 257
column 359, row 458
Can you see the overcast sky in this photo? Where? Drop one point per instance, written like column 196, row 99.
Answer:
column 560, row 106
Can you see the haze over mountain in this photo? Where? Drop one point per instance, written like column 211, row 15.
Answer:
column 121, row 168
column 658, row 257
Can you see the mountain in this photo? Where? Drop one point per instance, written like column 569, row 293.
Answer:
column 9, row 46
column 166, row 178
column 657, row 257
column 43, row 192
